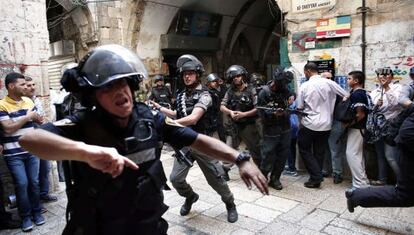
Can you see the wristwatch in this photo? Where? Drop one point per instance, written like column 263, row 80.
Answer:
column 243, row 156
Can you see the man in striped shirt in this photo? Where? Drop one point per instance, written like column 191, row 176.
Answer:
column 17, row 115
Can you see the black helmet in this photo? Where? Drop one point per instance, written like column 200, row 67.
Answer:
column 212, row 77
column 283, row 75
column 158, row 77
column 101, row 66
column 384, row 71
column 256, row 79
column 234, row 71
column 189, row 63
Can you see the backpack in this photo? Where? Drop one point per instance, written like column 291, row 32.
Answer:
column 343, row 111
column 377, row 125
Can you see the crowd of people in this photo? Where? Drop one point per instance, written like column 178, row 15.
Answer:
column 204, row 123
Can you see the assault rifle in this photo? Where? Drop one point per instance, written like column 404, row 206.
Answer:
column 288, row 110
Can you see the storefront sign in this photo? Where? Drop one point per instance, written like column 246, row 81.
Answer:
column 333, row 28
column 299, row 6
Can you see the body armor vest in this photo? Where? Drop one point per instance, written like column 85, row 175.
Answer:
column 276, row 100
column 161, row 96
column 241, row 101
column 125, row 196
column 185, row 105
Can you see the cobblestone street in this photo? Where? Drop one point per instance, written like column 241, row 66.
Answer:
column 294, row 210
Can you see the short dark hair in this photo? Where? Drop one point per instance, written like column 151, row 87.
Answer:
column 12, row 78
column 358, row 75
column 311, row 66
column 28, row 79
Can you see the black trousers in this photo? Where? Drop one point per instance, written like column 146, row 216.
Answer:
column 312, row 147
column 401, row 195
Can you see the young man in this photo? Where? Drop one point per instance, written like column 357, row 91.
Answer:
column 354, row 145
column 44, row 168
column 117, row 179
column 194, row 109
column 385, row 99
column 317, row 98
column 17, row 116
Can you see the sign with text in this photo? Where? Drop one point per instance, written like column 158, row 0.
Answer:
column 325, row 66
column 333, row 28
column 299, row 6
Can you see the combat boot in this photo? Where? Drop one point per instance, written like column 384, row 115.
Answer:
column 185, row 209
column 350, row 204
column 275, row 183
column 232, row 215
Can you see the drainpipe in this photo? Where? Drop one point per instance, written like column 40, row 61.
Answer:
column 363, row 10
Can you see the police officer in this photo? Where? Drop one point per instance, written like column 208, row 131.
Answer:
column 401, row 195
column 194, row 109
column 116, row 174
column 216, row 92
column 239, row 104
column 276, row 126
column 257, row 80
column 160, row 93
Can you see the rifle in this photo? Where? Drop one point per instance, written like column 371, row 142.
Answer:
column 288, row 110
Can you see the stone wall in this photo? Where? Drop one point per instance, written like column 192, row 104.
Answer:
column 389, row 36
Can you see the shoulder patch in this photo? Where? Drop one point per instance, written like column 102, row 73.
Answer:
column 205, row 99
column 64, row 122
column 171, row 122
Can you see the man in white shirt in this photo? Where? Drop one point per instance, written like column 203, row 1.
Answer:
column 317, row 98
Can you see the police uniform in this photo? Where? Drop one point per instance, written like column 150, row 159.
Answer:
column 244, row 128
column 161, row 95
column 276, row 132
column 131, row 203
column 401, row 195
column 212, row 169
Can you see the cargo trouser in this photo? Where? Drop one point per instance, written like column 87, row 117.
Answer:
column 212, row 170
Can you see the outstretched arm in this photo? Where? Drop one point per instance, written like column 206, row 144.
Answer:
column 248, row 170
column 49, row 146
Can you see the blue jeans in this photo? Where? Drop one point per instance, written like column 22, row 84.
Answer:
column 386, row 153
column 44, row 170
column 337, row 147
column 24, row 169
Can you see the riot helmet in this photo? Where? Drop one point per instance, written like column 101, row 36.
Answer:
column 384, row 71
column 100, row 67
column 256, row 79
column 158, row 77
column 282, row 77
column 189, row 63
column 212, row 77
column 234, row 71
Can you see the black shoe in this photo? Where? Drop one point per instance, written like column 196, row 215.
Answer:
column 325, row 174
column 185, row 209
column 337, row 179
column 349, row 203
column 232, row 215
column 312, row 184
column 276, row 184
column 10, row 224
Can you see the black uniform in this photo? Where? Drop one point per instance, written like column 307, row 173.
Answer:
column 276, row 132
column 401, row 195
column 131, row 203
column 161, row 95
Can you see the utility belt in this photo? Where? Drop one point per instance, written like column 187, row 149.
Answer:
column 95, row 203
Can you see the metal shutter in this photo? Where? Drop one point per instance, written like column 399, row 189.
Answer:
column 54, row 70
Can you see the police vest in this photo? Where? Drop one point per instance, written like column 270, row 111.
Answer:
column 185, row 105
column 242, row 101
column 93, row 191
column 161, row 96
column 276, row 100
